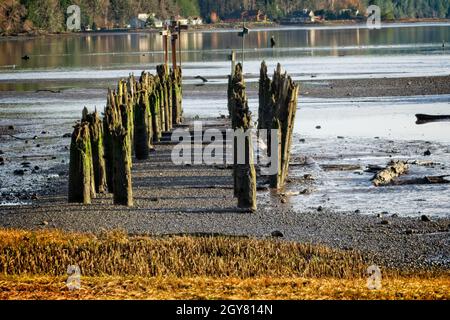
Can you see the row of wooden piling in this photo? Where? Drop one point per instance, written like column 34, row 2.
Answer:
column 135, row 116
column 276, row 111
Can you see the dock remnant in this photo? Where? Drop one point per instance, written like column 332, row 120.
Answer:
column 277, row 109
column 388, row 174
column 243, row 167
column 80, row 166
column 135, row 115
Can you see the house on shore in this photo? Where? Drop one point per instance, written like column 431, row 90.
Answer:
column 300, row 17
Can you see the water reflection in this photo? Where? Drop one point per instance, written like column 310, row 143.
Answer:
column 125, row 49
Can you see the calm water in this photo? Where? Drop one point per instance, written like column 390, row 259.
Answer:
column 302, row 50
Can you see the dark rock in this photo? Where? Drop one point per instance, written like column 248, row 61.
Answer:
column 357, row 211
column 394, row 215
column 425, row 218
column 38, row 145
column 319, row 208
column 318, row 127
column 10, row 127
column 277, row 234
column 1, row 152
column 427, row 153
column 36, row 168
column 340, row 137
column 154, row 199
column 25, row 164
column 262, row 187
column 19, row 172
column 67, row 135
column 308, row 176
column 43, row 132
column 2, row 159
column 385, row 222
column 34, row 197
column 305, row 191
column 302, row 140
column 283, row 200
column 409, row 231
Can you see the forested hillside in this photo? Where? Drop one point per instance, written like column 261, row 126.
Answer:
column 50, row 15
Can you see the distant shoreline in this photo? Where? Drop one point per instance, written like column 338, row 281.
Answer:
column 221, row 26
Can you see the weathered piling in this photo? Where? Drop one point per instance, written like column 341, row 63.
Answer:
column 143, row 136
column 125, row 123
column 111, row 118
column 277, row 108
column 244, row 170
column 166, row 94
column 98, row 159
column 80, row 166
column 123, row 193
column 177, row 96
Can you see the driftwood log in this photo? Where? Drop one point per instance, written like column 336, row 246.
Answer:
column 388, row 174
column 425, row 180
column 425, row 118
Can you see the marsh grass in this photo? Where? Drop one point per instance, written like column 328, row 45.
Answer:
column 117, row 254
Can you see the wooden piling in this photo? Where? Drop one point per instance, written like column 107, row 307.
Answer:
column 80, row 166
column 98, row 159
column 177, row 109
column 165, row 97
column 143, row 127
column 277, row 108
column 244, row 173
column 123, row 193
column 111, row 119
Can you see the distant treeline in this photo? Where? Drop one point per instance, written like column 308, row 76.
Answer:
column 50, row 15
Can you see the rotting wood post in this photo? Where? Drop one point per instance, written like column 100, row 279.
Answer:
column 111, row 119
column 244, row 171
column 98, row 158
column 277, row 109
column 125, row 122
column 123, row 193
column 143, row 127
column 80, row 166
column 166, row 97
column 176, row 96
